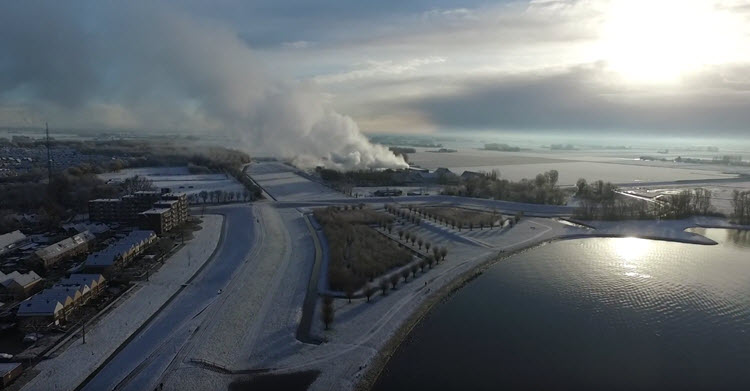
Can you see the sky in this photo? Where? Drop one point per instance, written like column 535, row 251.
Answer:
column 596, row 66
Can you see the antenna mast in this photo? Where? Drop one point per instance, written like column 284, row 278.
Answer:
column 49, row 159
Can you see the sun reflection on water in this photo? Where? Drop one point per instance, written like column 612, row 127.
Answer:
column 631, row 251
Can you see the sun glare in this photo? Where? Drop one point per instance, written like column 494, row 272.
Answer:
column 657, row 41
column 631, row 249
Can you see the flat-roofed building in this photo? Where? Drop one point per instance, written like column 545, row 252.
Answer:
column 157, row 219
column 106, row 209
column 130, row 209
column 182, row 205
column 66, row 248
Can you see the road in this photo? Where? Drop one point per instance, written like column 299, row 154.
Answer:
column 141, row 361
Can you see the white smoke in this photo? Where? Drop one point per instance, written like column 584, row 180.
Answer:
column 147, row 66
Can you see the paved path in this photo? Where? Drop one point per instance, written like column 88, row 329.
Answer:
column 138, row 363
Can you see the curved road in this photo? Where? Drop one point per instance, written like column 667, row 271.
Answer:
column 153, row 348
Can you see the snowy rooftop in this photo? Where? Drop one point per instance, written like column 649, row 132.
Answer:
column 65, row 245
column 7, row 367
column 38, row 305
column 109, row 255
column 155, row 211
column 9, row 239
column 19, row 278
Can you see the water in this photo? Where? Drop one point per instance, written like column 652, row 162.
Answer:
column 591, row 314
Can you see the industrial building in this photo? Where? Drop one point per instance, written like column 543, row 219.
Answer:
column 66, row 248
column 120, row 253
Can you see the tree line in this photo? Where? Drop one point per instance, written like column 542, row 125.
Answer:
column 543, row 189
column 741, row 207
column 601, row 200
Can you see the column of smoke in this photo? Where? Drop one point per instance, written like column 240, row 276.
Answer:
column 138, row 65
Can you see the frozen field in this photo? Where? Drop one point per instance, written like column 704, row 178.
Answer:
column 617, row 166
column 178, row 179
column 285, row 184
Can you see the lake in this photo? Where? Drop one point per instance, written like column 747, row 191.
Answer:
column 620, row 313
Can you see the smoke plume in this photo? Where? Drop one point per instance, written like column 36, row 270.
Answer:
column 142, row 66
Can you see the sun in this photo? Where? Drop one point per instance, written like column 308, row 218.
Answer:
column 662, row 40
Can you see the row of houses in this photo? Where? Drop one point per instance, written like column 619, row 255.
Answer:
column 55, row 304
column 120, row 253
column 64, row 249
column 18, row 286
column 154, row 210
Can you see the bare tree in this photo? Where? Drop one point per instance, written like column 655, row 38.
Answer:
column 427, row 246
column 420, row 242
column 369, row 290
column 204, row 195
column 137, row 183
column 394, row 280
column 384, row 286
column 443, row 252
column 349, row 291
column 405, row 274
column 327, row 311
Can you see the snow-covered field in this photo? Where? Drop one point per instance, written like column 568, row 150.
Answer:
column 285, row 184
column 255, row 327
column 619, row 166
column 178, row 179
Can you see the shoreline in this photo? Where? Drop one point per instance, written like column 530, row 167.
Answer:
column 384, row 354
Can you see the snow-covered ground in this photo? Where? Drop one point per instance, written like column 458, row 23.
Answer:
column 721, row 193
column 178, row 179
column 67, row 370
column 616, row 166
column 254, row 328
column 284, row 183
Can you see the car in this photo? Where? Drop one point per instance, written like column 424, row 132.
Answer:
column 31, row 337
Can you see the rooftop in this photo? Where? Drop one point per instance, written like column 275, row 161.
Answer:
column 156, row 211
column 6, row 367
column 65, row 245
column 109, row 255
column 22, row 279
column 7, row 240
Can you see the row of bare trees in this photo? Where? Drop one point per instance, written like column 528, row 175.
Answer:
column 219, row 196
column 415, row 215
